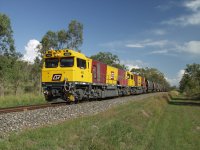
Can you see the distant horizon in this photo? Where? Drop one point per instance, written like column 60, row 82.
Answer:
column 156, row 34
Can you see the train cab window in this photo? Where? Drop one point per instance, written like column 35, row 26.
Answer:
column 128, row 76
column 81, row 63
column 67, row 62
column 131, row 76
column 51, row 62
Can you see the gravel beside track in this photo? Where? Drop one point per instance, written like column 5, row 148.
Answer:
column 16, row 122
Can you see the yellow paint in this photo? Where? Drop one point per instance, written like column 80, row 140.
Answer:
column 133, row 80
column 111, row 75
column 73, row 73
column 83, row 74
column 139, row 81
column 130, row 77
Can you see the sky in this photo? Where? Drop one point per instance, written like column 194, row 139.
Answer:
column 163, row 34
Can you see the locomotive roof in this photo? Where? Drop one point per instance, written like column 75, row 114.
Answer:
column 63, row 53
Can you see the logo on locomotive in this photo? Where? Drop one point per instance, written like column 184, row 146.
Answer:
column 56, row 77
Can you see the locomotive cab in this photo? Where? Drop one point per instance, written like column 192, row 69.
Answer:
column 62, row 69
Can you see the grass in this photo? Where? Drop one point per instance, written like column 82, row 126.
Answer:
column 147, row 124
column 21, row 100
column 175, row 95
column 180, row 98
column 179, row 128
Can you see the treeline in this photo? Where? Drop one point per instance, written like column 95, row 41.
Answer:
column 18, row 76
column 190, row 82
column 14, row 73
column 152, row 74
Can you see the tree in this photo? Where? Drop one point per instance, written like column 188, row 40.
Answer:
column 72, row 38
column 190, row 82
column 6, row 38
column 152, row 74
column 7, row 52
column 5, row 69
column 109, row 59
column 140, row 71
column 14, row 72
column 36, row 74
column 62, row 39
column 49, row 41
column 17, row 74
column 75, row 33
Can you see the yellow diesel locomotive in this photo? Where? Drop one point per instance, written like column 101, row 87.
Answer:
column 71, row 76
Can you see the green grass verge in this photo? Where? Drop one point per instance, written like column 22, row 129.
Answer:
column 178, row 129
column 21, row 100
column 147, row 124
column 175, row 95
column 181, row 99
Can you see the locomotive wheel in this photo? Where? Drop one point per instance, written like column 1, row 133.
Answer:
column 48, row 98
column 76, row 101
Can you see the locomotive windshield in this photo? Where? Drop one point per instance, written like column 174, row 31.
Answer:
column 67, row 62
column 51, row 63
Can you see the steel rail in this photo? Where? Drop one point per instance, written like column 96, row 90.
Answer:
column 34, row 107
column 29, row 107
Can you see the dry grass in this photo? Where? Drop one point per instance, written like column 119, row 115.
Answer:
column 21, row 100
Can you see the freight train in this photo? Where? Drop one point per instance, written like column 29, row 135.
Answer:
column 70, row 76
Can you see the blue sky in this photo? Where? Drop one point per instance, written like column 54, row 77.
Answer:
column 164, row 34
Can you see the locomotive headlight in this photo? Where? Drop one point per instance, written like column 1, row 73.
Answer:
column 67, row 54
column 46, row 92
column 57, row 55
column 48, row 55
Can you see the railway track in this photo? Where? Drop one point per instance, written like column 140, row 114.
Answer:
column 30, row 107
column 33, row 107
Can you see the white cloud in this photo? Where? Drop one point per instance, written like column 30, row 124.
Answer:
column 134, row 63
column 171, row 48
column 159, row 32
column 172, row 82
column 193, row 5
column 135, row 45
column 192, row 47
column 191, row 19
column 164, row 47
column 175, row 81
column 148, row 42
column 114, row 45
column 180, row 74
column 132, row 66
column 168, row 5
column 159, row 52
column 31, row 50
column 159, row 43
